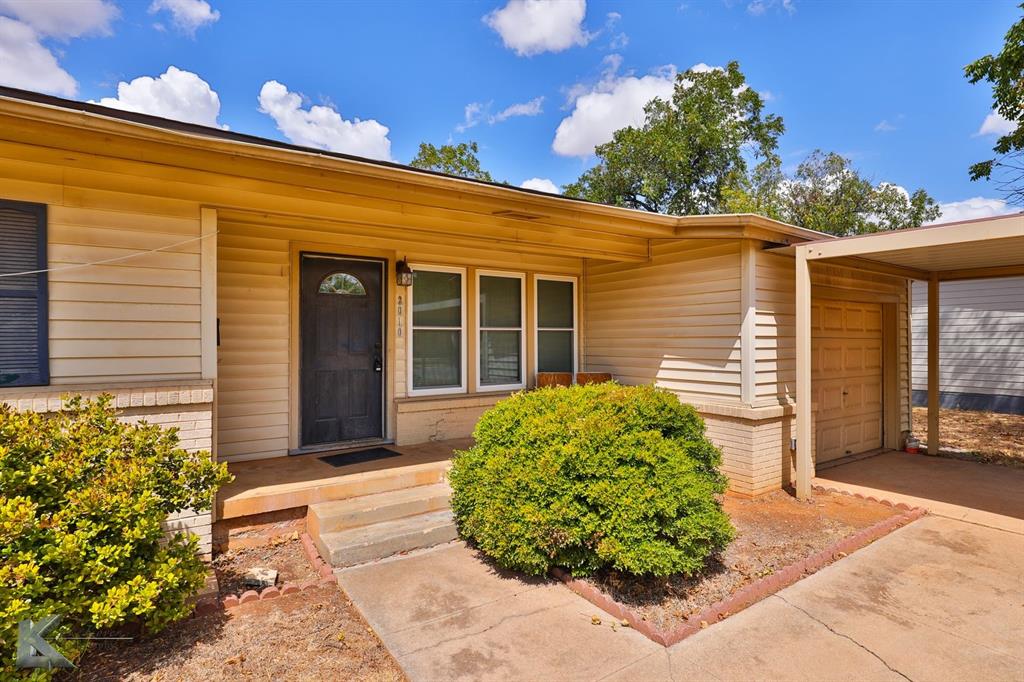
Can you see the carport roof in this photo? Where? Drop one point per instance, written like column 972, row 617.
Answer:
column 973, row 249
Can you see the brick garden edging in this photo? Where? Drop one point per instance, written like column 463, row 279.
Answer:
column 749, row 595
column 326, row 577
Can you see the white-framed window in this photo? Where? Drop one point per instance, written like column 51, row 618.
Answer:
column 437, row 324
column 501, row 330
column 555, row 322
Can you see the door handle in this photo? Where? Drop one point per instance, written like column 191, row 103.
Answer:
column 378, row 365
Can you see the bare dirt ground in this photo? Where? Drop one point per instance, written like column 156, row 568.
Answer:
column 287, row 558
column 985, row 436
column 315, row 635
column 771, row 532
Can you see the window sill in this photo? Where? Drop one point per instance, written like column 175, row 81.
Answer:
column 447, row 397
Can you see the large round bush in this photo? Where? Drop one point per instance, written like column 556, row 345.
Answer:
column 592, row 477
column 82, row 498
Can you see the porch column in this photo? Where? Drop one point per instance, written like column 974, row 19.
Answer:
column 804, row 456
column 933, row 364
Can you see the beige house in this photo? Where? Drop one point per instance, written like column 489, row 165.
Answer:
column 278, row 303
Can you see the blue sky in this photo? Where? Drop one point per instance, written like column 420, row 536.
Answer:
column 880, row 82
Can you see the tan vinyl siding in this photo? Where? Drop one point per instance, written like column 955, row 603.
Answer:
column 254, row 415
column 135, row 320
column 776, row 322
column 674, row 320
column 981, row 341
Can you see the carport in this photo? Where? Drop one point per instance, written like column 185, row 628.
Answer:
column 977, row 249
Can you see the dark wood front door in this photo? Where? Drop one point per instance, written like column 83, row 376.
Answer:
column 342, row 364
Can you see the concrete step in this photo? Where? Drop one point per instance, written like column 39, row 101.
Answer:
column 328, row 517
column 379, row 540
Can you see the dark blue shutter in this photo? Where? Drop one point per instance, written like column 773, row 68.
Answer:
column 24, row 338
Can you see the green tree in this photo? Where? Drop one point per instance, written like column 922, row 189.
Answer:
column 827, row 194
column 452, row 159
column 689, row 152
column 1005, row 71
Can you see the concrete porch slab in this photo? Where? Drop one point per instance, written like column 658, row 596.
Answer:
column 985, row 494
column 269, row 485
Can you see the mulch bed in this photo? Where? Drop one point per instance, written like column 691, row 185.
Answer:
column 287, row 557
column 314, row 635
column 778, row 539
column 981, row 436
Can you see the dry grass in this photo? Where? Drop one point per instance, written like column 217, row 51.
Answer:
column 988, row 436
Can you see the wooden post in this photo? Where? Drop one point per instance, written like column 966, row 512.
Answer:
column 933, row 364
column 804, row 456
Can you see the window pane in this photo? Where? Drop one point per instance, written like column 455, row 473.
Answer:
column 436, row 358
column 436, row 299
column 554, row 352
column 500, row 361
column 342, row 283
column 500, row 301
column 554, row 304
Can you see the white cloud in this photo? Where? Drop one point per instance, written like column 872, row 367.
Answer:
column 63, row 18
column 175, row 94
column 613, row 103
column 884, row 126
column 759, row 7
column 531, row 108
column 534, row 26
column 472, row 115
column 187, row 15
column 322, row 126
column 25, row 63
column 477, row 112
column 971, row 209
column 996, row 124
column 541, row 185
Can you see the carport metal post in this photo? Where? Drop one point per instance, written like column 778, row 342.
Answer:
column 804, row 456
column 933, row 364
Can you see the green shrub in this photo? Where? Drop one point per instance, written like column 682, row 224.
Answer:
column 592, row 477
column 83, row 497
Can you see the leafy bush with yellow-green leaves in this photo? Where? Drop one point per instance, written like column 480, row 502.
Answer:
column 82, row 498
column 592, row 477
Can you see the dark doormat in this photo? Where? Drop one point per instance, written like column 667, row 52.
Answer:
column 368, row 455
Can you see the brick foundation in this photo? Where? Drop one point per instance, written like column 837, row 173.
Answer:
column 421, row 420
column 755, row 444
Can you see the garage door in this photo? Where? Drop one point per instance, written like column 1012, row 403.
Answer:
column 846, row 375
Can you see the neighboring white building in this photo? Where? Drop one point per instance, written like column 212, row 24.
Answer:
column 981, row 345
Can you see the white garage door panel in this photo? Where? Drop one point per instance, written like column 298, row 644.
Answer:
column 846, row 371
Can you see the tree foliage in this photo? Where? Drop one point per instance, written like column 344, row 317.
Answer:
column 827, row 194
column 452, row 159
column 1005, row 72
column 689, row 151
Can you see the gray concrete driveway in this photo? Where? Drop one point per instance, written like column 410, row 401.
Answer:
column 940, row 599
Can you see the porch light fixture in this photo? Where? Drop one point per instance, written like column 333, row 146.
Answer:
column 403, row 273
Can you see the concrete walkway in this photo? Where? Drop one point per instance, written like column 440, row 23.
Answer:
column 937, row 600
column 985, row 494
